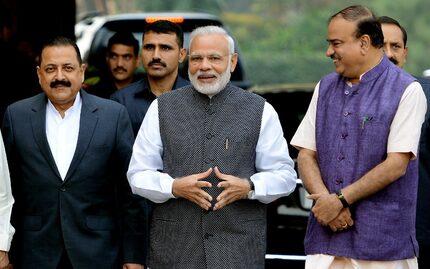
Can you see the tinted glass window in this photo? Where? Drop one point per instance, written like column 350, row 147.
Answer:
column 96, row 58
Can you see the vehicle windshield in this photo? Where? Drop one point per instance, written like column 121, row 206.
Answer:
column 97, row 54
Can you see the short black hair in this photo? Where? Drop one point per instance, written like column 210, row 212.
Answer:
column 166, row 27
column 57, row 42
column 124, row 38
column 389, row 20
column 367, row 24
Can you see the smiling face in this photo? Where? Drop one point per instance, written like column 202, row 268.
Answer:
column 60, row 75
column 210, row 63
column 344, row 48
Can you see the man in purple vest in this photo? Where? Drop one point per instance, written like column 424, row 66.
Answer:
column 395, row 40
column 358, row 145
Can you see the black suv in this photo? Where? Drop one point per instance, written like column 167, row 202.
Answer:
column 92, row 35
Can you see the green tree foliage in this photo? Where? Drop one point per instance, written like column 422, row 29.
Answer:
column 284, row 41
column 288, row 44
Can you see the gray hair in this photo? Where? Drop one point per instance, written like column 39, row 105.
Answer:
column 207, row 30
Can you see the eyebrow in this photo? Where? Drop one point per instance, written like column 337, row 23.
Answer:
column 158, row 44
column 333, row 40
column 395, row 42
column 120, row 54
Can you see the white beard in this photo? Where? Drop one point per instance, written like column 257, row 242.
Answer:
column 215, row 87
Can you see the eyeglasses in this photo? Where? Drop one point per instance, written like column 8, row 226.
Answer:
column 196, row 59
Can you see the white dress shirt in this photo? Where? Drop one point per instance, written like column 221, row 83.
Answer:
column 62, row 133
column 275, row 175
column 6, row 202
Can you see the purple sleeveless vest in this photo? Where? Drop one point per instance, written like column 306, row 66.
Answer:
column 352, row 128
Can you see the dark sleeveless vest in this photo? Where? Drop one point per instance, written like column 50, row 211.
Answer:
column 198, row 133
column 352, row 128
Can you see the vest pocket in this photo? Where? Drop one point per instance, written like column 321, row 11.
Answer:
column 370, row 125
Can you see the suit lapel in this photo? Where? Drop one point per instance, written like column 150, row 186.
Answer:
column 87, row 126
column 38, row 123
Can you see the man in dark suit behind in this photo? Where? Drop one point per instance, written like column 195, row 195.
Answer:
column 68, row 152
column 395, row 40
column 162, row 52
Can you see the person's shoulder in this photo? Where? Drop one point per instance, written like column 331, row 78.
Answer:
column 100, row 102
column 131, row 89
column 181, row 82
column 331, row 76
column 425, row 85
column 424, row 81
column 176, row 94
column 179, row 91
column 29, row 102
column 402, row 72
column 244, row 93
column 399, row 74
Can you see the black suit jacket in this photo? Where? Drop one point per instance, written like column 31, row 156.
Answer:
column 137, row 97
column 91, row 215
column 423, row 203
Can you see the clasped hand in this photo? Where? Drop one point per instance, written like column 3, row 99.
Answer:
column 4, row 260
column 328, row 211
column 190, row 188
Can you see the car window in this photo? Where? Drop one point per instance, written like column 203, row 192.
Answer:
column 97, row 53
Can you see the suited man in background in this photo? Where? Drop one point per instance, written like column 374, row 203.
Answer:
column 162, row 53
column 122, row 61
column 68, row 153
column 395, row 40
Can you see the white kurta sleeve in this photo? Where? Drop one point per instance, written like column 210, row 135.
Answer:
column 275, row 175
column 405, row 130
column 6, row 202
column 304, row 136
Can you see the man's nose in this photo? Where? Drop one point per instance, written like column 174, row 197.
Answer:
column 157, row 53
column 120, row 61
column 205, row 64
column 59, row 75
column 388, row 51
column 329, row 52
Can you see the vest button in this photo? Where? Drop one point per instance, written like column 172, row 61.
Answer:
column 209, row 135
column 63, row 189
column 346, row 92
column 343, row 136
column 340, row 158
column 346, row 113
column 208, row 235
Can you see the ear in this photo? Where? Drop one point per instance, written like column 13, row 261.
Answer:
column 406, row 53
column 83, row 67
column 233, row 62
column 38, row 71
column 365, row 43
column 182, row 54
